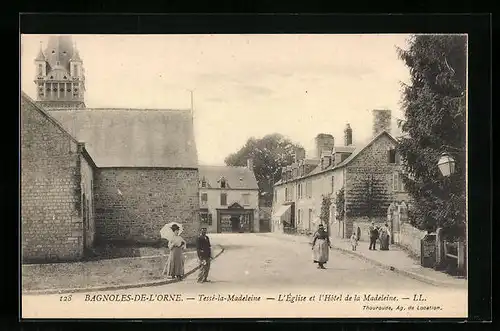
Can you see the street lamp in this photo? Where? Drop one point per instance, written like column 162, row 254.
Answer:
column 446, row 164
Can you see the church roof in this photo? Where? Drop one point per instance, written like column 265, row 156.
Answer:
column 133, row 137
column 236, row 177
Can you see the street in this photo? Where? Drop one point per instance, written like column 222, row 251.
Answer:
column 266, row 266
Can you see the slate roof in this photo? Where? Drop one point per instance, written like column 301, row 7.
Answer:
column 236, row 177
column 133, row 137
column 349, row 159
column 41, row 110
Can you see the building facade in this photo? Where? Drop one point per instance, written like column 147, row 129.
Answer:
column 363, row 182
column 229, row 199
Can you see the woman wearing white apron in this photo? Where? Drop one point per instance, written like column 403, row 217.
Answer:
column 321, row 245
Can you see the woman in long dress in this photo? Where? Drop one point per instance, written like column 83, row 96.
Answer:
column 384, row 238
column 321, row 245
column 175, row 262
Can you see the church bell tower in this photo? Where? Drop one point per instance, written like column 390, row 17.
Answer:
column 60, row 77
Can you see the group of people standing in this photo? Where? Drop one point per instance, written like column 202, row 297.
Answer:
column 383, row 234
column 321, row 242
column 174, row 268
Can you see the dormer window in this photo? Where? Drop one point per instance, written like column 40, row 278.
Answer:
column 203, row 183
column 222, row 183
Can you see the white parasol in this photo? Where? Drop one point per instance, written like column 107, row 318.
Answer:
column 167, row 233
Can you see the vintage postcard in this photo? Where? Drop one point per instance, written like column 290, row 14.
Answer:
column 243, row 176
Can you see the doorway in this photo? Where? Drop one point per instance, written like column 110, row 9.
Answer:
column 235, row 224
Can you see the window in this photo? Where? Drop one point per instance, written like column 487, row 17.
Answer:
column 286, row 193
column 204, row 197
column 309, row 189
column 223, row 199
column 222, row 183
column 246, row 199
column 203, row 183
column 310, row 217
column 391, row 155
column 397, row 182
column 333, row 184
column 40, row 69
column 206, row 218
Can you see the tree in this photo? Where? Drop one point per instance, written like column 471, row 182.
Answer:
column 269, row 155
column 435, row 112
column 340, row 205
column 326, row 202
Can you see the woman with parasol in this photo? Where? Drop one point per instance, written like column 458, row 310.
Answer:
column 175, row 263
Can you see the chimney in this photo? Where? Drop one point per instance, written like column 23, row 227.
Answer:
column 326, row 159
column 300, row 154
column 250, row 164
column 348, row 135
column 381, row 121
column 324, row 142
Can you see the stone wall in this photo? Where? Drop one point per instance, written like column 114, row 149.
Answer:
column 133, row 204
column 52, row 228
column 409, row 237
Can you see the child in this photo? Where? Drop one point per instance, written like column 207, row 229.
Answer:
column 354, row 241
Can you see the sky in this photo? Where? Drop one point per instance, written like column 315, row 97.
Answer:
column 243, row 85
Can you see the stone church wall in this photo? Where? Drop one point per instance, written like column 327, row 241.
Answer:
column 133, row 204
column 51, row 222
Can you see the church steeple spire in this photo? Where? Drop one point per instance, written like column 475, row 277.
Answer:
column 40, row 56
column 61, row 80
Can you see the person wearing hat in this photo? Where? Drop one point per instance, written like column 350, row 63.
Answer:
column 321, row 243
column 373, row 232
column 204, row 250
column 175, row 262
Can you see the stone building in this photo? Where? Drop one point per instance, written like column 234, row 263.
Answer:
column 367, row 178
column 124, row 173
column 229, row 198
column 56, row 189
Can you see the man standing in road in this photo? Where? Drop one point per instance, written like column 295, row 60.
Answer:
column 204, row 250
column 373, row 236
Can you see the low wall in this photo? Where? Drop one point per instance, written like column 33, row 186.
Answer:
column 409, row 238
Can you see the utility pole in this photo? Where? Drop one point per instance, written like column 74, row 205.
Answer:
column 192, row 104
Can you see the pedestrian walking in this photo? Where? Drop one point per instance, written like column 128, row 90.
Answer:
column 321, row 243
column 373, row 232
column 354, row 241
column 175, row 263
column 204, row 251
column 384, row 238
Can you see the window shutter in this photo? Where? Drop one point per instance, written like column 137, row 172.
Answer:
column 209, row 219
